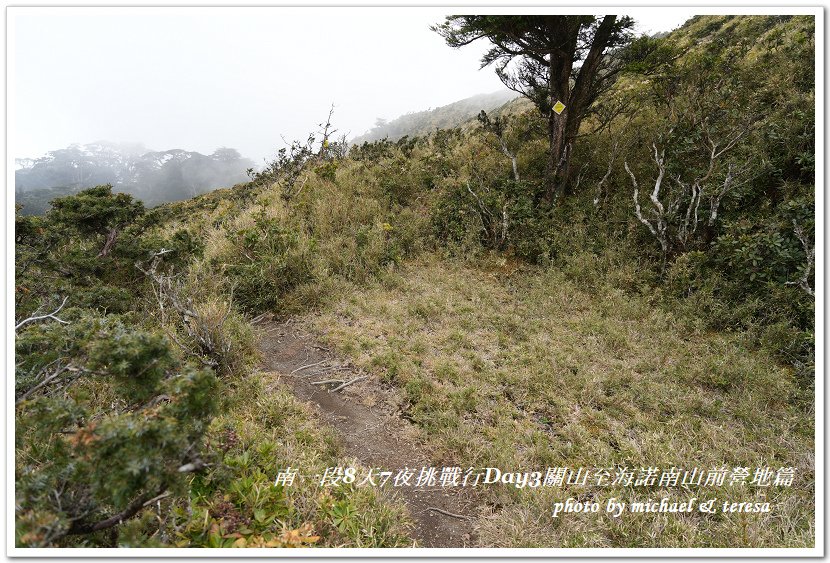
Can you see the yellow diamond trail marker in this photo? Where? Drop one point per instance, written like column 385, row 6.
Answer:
column 558, row 107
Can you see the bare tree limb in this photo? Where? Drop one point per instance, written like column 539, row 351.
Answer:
column 810, row 253
column 601, row 183
column 47, row 316
column 157, row 498
column 43, row 383
column 131, row 510
column 109, row 243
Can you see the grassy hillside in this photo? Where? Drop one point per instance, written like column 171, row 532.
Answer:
column 494, row 329
column 520, row 368
column 445, row 117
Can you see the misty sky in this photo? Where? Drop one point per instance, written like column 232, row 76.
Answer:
column 197, row 78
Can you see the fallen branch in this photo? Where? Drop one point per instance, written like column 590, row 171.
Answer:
column 258, row 318
column 132, row 509
column 192, row 466
column 461, row 516
column 355, row 380
column 326, row 382
column 307, row 366
column 329, row 372
column 45, row 381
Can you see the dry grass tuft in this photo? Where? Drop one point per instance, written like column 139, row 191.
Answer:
column 526, row 370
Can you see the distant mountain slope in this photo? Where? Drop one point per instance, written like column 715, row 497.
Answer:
column 151, row 176
column 444, row 117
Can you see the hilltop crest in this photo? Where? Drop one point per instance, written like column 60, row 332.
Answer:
column 444, row 117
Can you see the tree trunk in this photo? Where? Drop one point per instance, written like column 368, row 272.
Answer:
column 559, row 74
column 110, row 242
column 557, row 157
column 563, row 128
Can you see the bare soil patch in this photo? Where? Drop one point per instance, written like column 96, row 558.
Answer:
column 366, row 416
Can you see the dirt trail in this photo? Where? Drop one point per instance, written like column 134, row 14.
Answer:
column 365, row 417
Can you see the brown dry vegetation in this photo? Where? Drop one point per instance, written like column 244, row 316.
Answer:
column 527, row 370
column 564, row 339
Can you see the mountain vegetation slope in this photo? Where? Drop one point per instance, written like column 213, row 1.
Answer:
column 422, row 123
column 660, row 312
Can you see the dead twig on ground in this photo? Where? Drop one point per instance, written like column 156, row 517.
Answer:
column 258, row 318
column 355, row 380
column 301, row 368
column 329, row 372
column 326, row 382
column 439, row 510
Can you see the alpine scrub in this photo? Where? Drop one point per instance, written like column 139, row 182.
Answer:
column 650, row 302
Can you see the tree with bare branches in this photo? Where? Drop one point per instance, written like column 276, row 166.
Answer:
column 702, row 150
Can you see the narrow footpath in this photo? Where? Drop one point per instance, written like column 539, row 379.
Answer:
column 364, row 414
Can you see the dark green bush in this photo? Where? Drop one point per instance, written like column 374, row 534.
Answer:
column 268, row 262
column 105, row 417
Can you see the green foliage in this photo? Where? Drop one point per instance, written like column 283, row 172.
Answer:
column 63, row 251
column 372, row 151
column 736, row 261
column 268, row 261
column 534, row 55
column 351, row 219
column 287, row 166
column 235, row 503
column 138, row 360
column 751, row 280
column 106, row 415
column 498, row 216
column 114, row 402
column 107, row 411
column 649, row 55
column 757, row 255
column 95, row 211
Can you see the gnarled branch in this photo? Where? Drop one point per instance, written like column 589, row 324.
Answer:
column 47, row 316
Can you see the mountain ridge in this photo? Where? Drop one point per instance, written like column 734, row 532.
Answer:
column 443, row 117
column 152, row 176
